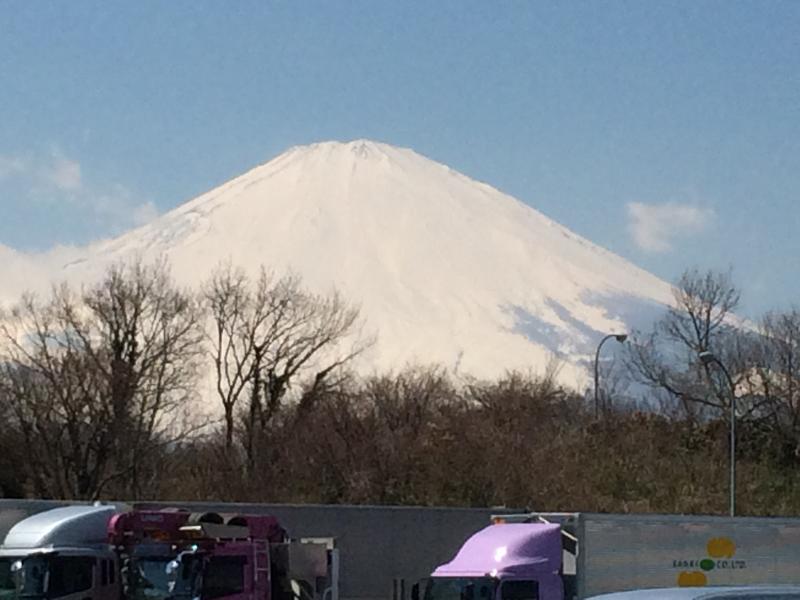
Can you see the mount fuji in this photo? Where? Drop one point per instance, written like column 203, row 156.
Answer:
column 446, row 269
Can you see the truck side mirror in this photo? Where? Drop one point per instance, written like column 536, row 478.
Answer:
column 18, row 573
column 172, row 568
column 415, row 592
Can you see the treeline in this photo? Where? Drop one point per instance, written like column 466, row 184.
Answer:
column 99, row 391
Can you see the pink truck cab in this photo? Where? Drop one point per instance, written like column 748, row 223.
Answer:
column 169, row 555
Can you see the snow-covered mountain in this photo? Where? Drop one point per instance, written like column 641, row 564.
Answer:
column 445, row 269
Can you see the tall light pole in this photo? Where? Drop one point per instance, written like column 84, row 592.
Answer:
column 707, row 358
column 620, row 337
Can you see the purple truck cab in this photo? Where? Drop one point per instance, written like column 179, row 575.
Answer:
column 519, row 561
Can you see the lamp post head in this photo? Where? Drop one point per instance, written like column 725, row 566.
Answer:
column 621, row 337
column 707, row 357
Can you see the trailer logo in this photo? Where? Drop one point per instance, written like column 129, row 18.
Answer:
column 721, row 552
column 152, row 518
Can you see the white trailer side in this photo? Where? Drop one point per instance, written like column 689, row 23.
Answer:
column 611, row 553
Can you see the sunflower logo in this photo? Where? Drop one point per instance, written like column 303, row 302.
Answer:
column 719, row 552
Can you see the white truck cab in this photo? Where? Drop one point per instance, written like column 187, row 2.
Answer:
column 60, row 554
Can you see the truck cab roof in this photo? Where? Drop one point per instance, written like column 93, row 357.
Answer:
column 507, row 550
column 64, row 527
column 94, row 550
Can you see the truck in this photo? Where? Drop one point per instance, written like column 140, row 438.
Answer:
column 208, row 556
column 60, row 553
column 102, row 553
column 572, row 556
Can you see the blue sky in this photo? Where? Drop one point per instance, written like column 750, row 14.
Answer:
column 667, row 132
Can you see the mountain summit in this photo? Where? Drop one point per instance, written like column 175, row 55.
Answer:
column 445, row 269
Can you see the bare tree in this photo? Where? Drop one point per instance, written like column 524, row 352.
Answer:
column 95, row 380
column 230, row 304
column 268, row 333
column 772, row 384
column 704, row 304
column 701, row 319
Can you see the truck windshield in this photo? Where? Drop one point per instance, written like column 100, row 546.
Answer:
column 187, row 581
column 28, row 581
column 460, row 588
column 150, row 579
column 7, row 586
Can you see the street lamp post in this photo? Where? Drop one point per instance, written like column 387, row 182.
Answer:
column 620, row 337
column 707, row 358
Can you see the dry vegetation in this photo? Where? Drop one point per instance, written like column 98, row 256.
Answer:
column 95, row 388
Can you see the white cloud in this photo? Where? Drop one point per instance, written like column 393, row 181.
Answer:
column 52, row 170
column 121, row 206
column 655, row 226
column 54, row 178
column 144, row 213
column 64, row 173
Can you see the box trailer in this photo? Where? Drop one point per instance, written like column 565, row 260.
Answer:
column 571, row 556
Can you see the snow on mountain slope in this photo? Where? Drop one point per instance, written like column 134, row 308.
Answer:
column 445, row 269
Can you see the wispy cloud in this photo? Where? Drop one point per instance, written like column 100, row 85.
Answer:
column 52, row 177
column 654, row 227
column 121, row 206
column 63, row 173
column 144, row 213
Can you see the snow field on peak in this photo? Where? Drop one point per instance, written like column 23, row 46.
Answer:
column 445, row 269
